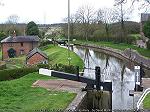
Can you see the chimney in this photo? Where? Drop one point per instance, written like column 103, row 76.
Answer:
column 14, row 34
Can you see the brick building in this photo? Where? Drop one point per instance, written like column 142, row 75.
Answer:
column 14, row 46
column 36, row 56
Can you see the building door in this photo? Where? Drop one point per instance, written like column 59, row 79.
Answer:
column 11, row 53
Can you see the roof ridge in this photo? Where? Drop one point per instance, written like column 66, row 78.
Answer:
column 34, row 51
column 31, row 38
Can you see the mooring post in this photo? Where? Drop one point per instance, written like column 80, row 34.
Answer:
column 98, row 77
column 78, row 69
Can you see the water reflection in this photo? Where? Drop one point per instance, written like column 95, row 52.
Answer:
column 119, row 72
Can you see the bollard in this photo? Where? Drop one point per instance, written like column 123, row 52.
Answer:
column 98, row 77
column 77, row 68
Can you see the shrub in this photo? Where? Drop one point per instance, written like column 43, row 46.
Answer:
column 9, row 74
column 2, row 65
column 60, row 67
column 44, row 43
column 148, row 44
column 43, row 66
column 65, row 68
column 130, row 39
column 146, row 29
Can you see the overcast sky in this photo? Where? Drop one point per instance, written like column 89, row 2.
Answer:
column 52, row 10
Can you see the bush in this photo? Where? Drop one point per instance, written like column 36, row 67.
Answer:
column 146, row 29
column 43, row 66
column 44, row 43
column 148, row 44
column 65, row 68
column 130, row 39
column 2, row 65
column 9, row 74
column 60, row 67
column 2, row 35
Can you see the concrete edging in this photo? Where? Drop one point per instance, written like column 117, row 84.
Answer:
column 77, row 102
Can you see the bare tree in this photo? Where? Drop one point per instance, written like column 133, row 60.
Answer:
column 145, row 4
column 73, row 21
column 106, row 16
column 85, row 15
column 123, row 14
column 13, row 19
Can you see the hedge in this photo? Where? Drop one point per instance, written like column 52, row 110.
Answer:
column 9, row 74
column 65, row 68
column 43, row 66
column 148, row 44
column 60, row 67
column 2, row 66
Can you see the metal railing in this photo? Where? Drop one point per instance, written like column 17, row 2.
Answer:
column 146, row 92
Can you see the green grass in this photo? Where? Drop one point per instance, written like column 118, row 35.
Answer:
column 18, row 62
column 121, row 46
column 0, row 55
column 135, row 36
column 18, row 95
column 146, row 102
column 58, row 55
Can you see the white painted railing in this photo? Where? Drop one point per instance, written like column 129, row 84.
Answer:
column 146, row 92
column 43, row 71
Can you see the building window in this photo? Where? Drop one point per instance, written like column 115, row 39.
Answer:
column 45, row 62
column 21, row 44
column 10, row 44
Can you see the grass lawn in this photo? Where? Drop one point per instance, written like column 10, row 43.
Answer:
column 146, row 102
column 121, row 46
column 58, row 55
column 18, row 62
column 18, row 95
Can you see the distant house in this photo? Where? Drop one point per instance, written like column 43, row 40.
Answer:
column 14, row 46
column 36, row 56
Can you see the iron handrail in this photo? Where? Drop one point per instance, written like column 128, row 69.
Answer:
column 146, row 92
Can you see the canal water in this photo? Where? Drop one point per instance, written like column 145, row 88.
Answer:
column 120, row 72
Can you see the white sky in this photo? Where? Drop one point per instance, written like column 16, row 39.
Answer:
column 54, row 10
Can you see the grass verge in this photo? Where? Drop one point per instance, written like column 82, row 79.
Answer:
column 18, row 95
column 146, row 102
column 0, row 55
column 58, row 55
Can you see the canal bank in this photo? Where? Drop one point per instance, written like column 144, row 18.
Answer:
column 127, row 54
